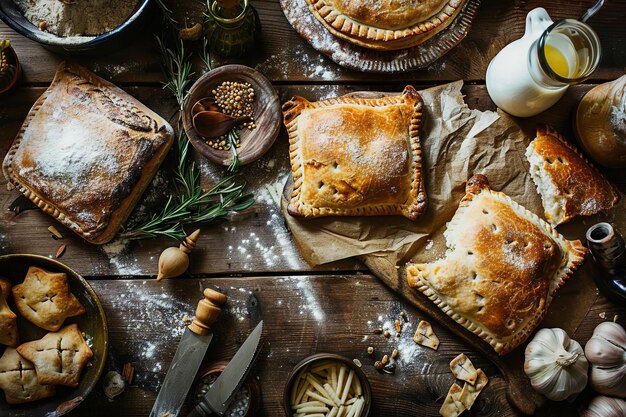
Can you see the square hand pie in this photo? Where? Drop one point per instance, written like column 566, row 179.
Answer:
column 59, row 357
column 385, row 24
column 8, row 322
column 501, row 270
column 18, row 379
column 86, row 153
column 356, row 157
column 44, row 299
column 568, row 183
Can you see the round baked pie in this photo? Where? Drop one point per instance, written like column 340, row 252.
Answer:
column 385, row 24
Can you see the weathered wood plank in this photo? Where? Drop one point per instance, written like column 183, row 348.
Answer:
column 302, row 315
column 284, row 56
column 254, row 241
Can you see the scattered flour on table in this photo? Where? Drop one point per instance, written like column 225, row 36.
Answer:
column 159, row 316
column 305, row 294
column 121, row 258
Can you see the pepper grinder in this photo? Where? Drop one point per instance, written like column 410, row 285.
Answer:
column 609, row 252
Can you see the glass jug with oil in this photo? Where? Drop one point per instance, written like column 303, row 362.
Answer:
column 531, row 74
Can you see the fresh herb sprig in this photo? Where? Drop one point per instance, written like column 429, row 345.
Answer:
column 233, row 136
column 190, row 204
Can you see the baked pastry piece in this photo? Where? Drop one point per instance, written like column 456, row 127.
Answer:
column 8, row 322
column 59, row 357
column 86, row 153
column 5, row 286
column 18, row 379
column 568, row 183
column 502, row 268
column 44, row 299
column 356, row 157
column 385, row 24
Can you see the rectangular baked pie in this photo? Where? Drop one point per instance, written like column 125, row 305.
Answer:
column 352, row 156
column 568, row 183
column 501, row 270
column 86, row 153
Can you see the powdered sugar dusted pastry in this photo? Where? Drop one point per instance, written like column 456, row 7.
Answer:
column 86, row 153
column 385, row 24
column 18, row 379
column 356, row 157
column 8, row 322
column 59, row 357
column 502, row 268
column 44, row 298
column 568, row 183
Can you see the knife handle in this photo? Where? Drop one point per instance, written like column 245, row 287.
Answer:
column 207, row 311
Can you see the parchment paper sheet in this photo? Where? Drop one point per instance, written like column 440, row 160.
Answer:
column 456, row 143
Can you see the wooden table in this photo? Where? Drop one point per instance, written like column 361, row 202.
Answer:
column 330, row 308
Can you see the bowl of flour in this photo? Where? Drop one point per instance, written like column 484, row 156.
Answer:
column 76, row 26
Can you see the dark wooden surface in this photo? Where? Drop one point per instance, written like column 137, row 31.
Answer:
column 328, row 308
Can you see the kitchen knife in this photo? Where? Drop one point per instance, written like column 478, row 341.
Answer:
column 188, row 357
column 221, row 393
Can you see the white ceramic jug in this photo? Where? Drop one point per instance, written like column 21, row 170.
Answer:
column 532, row 73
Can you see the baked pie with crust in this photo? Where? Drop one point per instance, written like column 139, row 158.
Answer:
column 385, row 24
column 568, row 183
column 353, row 156
column 501, row 270
column 86, row 153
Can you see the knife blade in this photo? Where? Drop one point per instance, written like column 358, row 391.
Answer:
column 188, row 357
column 228, row 383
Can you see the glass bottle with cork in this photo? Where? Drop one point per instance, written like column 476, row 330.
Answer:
column 232, row 27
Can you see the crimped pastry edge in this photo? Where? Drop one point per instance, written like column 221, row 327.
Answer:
column 418, row 200
column 573, row 256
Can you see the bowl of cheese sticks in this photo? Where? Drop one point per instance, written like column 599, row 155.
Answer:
column 327, row 385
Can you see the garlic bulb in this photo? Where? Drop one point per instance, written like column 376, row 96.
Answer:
column 600, row 123
column 606, row 351
column 555, row 364
column 605, row 407
column 175, row 261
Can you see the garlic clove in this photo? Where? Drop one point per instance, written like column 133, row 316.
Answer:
column 602, row 406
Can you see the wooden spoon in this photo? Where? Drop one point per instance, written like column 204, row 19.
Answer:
column 204, row 104
column 213, row 124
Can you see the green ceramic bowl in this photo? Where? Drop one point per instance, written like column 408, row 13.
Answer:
column 92, row 323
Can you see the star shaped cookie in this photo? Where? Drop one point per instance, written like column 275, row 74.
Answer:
column 8, row 322
column 44, row 299
column 59, row 357
column 18, row 379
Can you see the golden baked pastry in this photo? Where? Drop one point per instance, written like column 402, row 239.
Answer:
column 18, row 379
column 568, row 183
column 58, row 357
column 44, row 299
column 86, row 153
column 8, row 322
column 356, row 157
column 502, row 268
column 385, row 24
column 5, row 286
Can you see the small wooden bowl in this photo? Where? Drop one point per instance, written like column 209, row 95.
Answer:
column 365, row 385
column 267, row 114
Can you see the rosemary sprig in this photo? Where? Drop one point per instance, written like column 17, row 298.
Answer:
column 200, row 207
column 233, row 136
column 176, row 69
